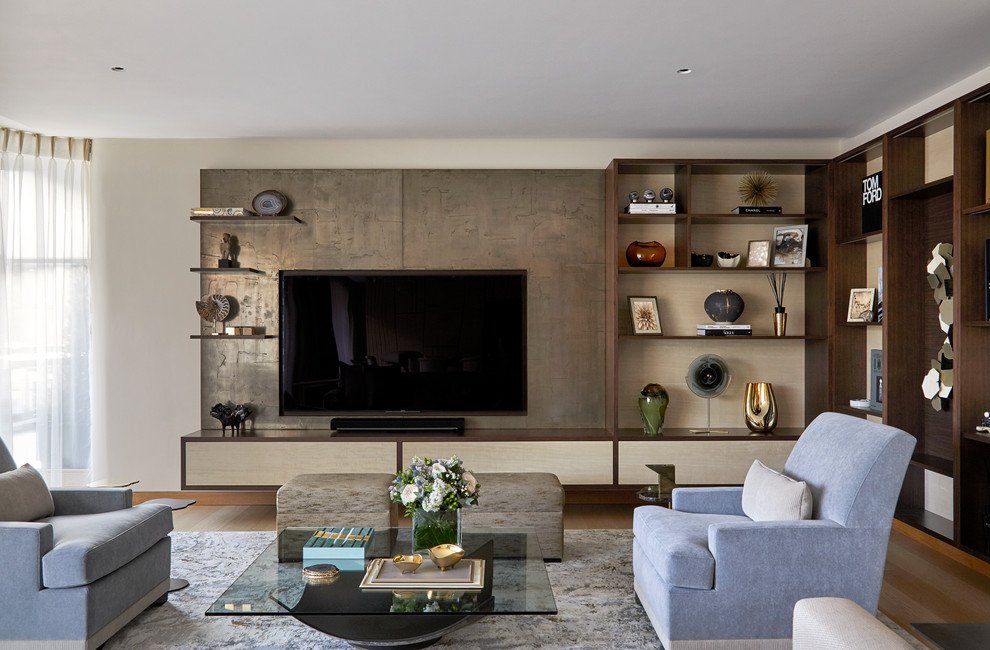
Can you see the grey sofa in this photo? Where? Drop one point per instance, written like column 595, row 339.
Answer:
column 709, row 576
column 71, row 580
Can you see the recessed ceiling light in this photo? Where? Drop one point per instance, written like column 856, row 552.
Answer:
column 117, row 68
column 684, row 71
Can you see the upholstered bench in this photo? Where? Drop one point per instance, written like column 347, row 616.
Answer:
column 314, row 500
column 517, row 500
column 521, row 500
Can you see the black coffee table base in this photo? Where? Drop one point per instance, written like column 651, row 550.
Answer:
column 378, row 631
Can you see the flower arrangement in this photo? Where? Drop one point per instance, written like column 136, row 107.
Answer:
column 433, row 485
column 433, row 493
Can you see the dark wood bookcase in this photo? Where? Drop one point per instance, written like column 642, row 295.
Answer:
column 934, row 190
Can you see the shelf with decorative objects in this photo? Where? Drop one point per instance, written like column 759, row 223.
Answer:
column 665, row 265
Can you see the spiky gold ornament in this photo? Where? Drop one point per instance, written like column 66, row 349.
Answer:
column 758, row 188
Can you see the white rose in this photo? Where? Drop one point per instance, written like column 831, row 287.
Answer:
column 472, row 482
column 409, row 494
column 439, row 469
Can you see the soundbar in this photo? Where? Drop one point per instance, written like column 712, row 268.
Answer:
column 369, row 425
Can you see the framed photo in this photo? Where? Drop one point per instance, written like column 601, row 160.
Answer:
column 644, row 315
column 860, row 305
column 790, row 245
column 758, row 253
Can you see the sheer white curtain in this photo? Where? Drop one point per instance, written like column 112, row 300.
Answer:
column 44, row 303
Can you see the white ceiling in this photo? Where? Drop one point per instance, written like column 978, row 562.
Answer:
column 464, row 68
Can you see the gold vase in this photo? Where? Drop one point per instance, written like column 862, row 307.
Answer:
column 761, row 407
column 779, row 323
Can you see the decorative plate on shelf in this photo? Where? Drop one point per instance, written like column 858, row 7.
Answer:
column 269, row 203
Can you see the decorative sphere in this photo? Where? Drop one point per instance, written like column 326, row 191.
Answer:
column 649, row 195
column 724, row 306
column 666, row 194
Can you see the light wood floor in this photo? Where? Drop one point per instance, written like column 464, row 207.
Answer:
column 920, row 584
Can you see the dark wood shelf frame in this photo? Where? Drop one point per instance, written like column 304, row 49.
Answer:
column 750, row 337
column 721, row 269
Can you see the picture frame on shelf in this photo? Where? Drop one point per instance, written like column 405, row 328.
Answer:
column 790, row 245
column 758, row 253
column 644, row 315
column 861, row 305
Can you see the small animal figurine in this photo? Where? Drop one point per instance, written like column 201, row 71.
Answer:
column 230, row 417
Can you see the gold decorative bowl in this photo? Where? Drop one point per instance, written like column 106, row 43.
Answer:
column 446, row 556
column 407, row 563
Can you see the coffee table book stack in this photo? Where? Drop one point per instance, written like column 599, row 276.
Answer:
column 345, row 546
column 724, row 330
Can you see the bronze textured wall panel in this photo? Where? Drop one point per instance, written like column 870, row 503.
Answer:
column 548, row 222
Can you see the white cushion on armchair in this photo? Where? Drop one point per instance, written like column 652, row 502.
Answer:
column 770, row 496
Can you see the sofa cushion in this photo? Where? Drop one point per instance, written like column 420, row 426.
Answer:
column 770, row 496
column 24, row 495
column 88, row 547
column 676, row 543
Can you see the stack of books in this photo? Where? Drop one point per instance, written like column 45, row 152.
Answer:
column 652, row 208
column 345, row 547
column 724, row 330
column 757, row 209
column 220, row 212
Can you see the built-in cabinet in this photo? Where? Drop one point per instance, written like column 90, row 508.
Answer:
column 934, row 191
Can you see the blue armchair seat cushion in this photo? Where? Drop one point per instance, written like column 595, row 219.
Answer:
column 676, row 544
column 89, row 547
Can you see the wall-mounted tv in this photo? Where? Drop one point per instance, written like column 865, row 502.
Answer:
column 398, row 342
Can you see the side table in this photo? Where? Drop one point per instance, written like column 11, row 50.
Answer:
column 175, row 584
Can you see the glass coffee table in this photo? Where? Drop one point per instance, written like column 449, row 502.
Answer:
column 515, row 583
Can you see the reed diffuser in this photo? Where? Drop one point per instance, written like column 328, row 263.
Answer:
column 777, row 284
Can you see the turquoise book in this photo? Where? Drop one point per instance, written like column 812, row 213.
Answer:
column 343, row 546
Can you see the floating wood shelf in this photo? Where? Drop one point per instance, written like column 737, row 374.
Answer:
column 232, row 336
column 248, row 219
column 228, row 271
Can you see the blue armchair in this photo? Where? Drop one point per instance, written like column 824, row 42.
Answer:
column 704, row 571
column 72, row 579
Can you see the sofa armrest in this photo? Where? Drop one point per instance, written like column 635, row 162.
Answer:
column 713, row 500
column 810, row 557
column 840, row 623
column 87, row 501
column 22, row 543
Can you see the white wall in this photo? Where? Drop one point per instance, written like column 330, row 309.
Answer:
column 145, row 367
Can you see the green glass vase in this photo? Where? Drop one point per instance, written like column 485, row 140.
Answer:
column 653, row 408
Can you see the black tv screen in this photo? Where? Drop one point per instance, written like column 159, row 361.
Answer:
column 393, row 342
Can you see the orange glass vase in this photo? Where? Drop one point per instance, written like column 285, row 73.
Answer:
column 651, row 253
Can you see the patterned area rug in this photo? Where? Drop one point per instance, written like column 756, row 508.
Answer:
column 594, row 597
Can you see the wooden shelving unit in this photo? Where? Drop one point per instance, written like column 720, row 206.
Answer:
column 934, row 191
column 705, row 192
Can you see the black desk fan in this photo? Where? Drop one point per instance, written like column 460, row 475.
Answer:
column 708, row 377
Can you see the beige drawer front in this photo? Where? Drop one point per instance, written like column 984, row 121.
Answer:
column 575, row 463
column 274, row 463
column 699, row 462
